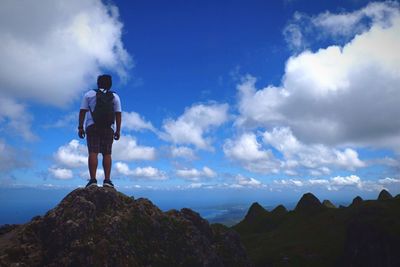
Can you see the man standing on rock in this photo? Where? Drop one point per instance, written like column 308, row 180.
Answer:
column 104, row 108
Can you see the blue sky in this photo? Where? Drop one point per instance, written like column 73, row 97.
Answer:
column 257, row 97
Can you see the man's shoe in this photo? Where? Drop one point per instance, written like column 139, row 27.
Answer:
column 92, row 182
column 108, row 183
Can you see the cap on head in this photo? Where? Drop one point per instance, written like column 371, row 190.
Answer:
column 104, row 81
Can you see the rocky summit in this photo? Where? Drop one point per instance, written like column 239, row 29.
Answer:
column 102, row 227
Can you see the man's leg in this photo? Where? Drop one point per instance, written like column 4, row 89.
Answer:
column 107, row 166
column 92, row 164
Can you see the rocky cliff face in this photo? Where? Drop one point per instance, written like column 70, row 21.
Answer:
column 102, row 227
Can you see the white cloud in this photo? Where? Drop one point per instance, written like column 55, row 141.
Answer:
column 330, row 96
column 318, row 182
column 246, row 150
column 50, row 51
column 333, row 184
column 127, row 149
column 194, row 123
column 317, row 158
column 195, row 174
column 61, row 173
column 303, row 29
column 293, row 33
column 72, row 155
column 247, row 181
column 388, row 180
column 346, row 180
column 290, row 182
column 140, row 172
column 182, row 152
column 314, row 156
column 351, row 23
column 16, row 118
column 133, row 121
column 99, row 174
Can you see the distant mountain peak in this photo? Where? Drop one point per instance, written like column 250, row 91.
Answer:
column 327, row 203
column 102, row 227
column 279, row 210
column 384, row 195
column 255, row 211
column 356, row 201
column 309, row 203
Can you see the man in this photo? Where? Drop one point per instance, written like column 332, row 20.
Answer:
column 104, row 109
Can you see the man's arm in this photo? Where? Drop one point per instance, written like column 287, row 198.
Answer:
column 118, row 118
column 82, row 114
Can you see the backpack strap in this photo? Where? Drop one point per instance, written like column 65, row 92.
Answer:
column 91, row 111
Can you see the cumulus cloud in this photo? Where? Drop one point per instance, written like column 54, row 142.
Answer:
column 61, row 173
column 318, row 182
column 86, row 175
column 346, row 180
column 330, row 96
column 289, row 182
column 72, row 155
column 194, row 123
column 246, row 150
column 247, row 181
column 127, row 149
column 293, row 33
column 333, row 183
column 50, row 50
column 336, row 183
column 389, row 180
column 182, row 152
column 140, row 172
column 133, row 121
column 314, row 156
column 300, row 32
column 295, row 156
column 195, row 174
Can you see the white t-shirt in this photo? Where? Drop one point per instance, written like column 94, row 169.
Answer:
column 89, row 100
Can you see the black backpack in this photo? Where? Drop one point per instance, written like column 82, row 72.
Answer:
column 103, row 114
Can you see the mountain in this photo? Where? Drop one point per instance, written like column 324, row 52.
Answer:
column 367, row 233
column 280, row 210
column 102, row 227
column 259, row 219
column 384, row 195
column 327, row 203
column 309, row 204
column 256, row 211
column 356, row 201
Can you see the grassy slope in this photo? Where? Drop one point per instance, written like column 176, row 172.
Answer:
column 301, row 239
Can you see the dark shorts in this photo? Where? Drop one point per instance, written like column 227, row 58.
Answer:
column 99, row 140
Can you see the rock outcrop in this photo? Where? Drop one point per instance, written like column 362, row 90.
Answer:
column 103, row 227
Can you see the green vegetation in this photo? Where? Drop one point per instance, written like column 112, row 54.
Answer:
column 316, row 234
